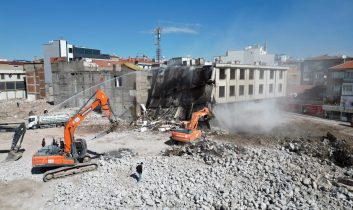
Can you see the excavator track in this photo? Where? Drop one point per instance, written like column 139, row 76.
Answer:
column 68, row 171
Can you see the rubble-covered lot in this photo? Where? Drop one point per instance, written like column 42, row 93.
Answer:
column 217, row 176
column 276, row 170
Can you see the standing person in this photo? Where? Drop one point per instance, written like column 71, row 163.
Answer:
column 54, row 142
column 18, row 105
column 139, row 171
column 43, row 142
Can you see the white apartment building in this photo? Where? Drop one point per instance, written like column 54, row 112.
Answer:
column 251, row 55
column 240, row 82
column 55, row 48
column 12, row 80
column 185, row 61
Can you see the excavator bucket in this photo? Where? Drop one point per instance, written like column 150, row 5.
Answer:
column 14, row 155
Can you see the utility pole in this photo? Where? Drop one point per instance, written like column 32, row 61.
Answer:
column 158, row 44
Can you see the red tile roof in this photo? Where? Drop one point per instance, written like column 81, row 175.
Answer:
column 343, row 66
column 137, row 60
column 58, row 59
column 18, row 63
column 106, row 63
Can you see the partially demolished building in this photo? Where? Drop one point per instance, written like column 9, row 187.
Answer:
column 184, row 87
column 82, row 78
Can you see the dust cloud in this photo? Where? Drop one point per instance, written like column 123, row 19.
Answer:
column 250, row 117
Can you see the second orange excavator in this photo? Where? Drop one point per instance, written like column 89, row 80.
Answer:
column 70, row 157
column 190, row 133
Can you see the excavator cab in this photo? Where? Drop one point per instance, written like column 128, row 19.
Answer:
column 191, row 132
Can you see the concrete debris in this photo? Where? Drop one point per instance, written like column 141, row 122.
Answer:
column 329, row 147
column 158, row 120
column 228, row 177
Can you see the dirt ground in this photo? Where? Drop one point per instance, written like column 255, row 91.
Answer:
column 20, row 189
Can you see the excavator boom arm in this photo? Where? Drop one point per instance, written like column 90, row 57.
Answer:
column 196, row 116
column 101, row 100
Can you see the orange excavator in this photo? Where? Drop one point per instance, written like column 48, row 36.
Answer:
column 70, row 157
column 190, row 133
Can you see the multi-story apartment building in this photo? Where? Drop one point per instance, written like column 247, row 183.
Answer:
column 339, row 100
column 315, row 70
column 236, row 82
column 12, row 80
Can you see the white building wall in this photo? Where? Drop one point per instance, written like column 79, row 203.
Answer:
column 55, row 48
column 249, row 56
column 255, row 82
column 10, row 74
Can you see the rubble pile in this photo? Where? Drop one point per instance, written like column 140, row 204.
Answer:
column 37, row 107
column 327, row 147
column 158, row 120
column 208, row 175
column 206, row 150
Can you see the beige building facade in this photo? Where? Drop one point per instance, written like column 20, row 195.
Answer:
column 237, row 82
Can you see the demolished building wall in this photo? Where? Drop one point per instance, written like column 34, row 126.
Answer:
column 189, row 87
column 77, row 77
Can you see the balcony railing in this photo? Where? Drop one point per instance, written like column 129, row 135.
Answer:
column 337, row 108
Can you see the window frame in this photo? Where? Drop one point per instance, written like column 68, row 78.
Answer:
column 241, row 90
column 232, row 90
column 241, row 76
column 219, row 92
column 222, row 76
column 252, row 90
column 261, row 88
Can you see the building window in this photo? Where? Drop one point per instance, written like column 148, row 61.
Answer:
column 70, row 50
column 337, row 88
column 280, row 88
column 281, row 74
column 10, row 75
column 251, row 89
column 232, row 90
column 251, row 74
column 241, row 90
column 2, row 86
column 222, row 73
column 2, row 76
column 10, row 85
column 347, row 88
column 261, row 89
column 20, row 85
column 348, row 74
column 232, row 74
column 242, row 74
column 261, row 76
column 272, row 74
column 271, row 88
column 221, row 92
column 18, row 76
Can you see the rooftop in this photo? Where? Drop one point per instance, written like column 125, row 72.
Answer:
column 325, row 57
column 343, row 66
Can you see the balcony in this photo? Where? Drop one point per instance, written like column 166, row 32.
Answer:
column 337, row 108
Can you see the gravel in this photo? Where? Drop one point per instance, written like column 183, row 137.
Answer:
column 207, row 175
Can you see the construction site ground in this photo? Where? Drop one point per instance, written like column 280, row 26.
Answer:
column 286, row 168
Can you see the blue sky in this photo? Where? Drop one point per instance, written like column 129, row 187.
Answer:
column 299, row 28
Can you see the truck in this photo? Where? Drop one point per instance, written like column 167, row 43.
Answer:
column 46, row 121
